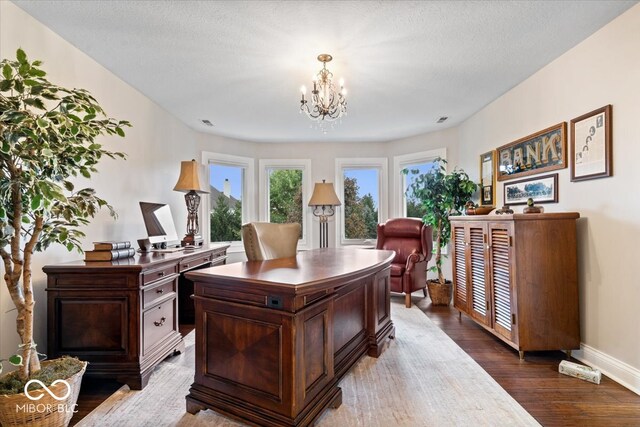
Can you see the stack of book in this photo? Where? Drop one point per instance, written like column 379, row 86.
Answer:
column 109, row 251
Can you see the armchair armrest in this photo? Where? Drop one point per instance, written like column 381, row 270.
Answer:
column 414, row 259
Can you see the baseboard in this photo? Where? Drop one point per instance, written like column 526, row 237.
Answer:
column 622, row 373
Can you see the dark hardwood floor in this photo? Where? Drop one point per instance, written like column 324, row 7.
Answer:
column 552, row 398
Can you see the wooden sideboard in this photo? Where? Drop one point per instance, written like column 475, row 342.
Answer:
column 517, row 276
column 121, row 316
column 273, row 338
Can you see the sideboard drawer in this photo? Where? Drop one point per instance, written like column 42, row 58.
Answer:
column 160, row 273
column 161, row 290
column 158, row 323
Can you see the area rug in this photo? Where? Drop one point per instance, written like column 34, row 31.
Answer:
column 422, row 379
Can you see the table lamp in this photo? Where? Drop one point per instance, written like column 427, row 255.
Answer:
column 189, row 183
column 323, row 200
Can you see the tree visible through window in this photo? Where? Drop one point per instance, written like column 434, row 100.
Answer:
column 361, row 189
column 414, row 208
column 226, row 202
column 285, row 196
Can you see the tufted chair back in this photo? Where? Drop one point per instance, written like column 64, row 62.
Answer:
column 265, row 240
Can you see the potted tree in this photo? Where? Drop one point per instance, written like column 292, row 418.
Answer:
column 441, row 194
column 47, row 137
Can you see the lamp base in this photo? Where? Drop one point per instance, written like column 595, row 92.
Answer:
column 192, row 240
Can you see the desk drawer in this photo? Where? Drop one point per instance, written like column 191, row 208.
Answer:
column 160, row 290
column 160, row 273
column 194, row 261
column 158, row 323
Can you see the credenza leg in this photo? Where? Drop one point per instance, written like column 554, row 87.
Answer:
column 335, row 404
column 521, row 353
column 193, row 407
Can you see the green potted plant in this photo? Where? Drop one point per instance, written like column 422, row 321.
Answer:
column 47, row 137
column 441, row 194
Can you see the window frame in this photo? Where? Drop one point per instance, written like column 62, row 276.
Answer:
column 248, row 192
column 264, row 165
column 399, row 179
column 380, row 163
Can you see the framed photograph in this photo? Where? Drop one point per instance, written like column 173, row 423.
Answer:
column 488, row 178
column 542, row 189
column 540, row 152
column 591, row 145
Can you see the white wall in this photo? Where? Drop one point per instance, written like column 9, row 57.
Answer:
column 155, row 145
column 604, row 69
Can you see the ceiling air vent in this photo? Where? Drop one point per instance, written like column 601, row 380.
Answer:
column 207, row 122
column 442, row 119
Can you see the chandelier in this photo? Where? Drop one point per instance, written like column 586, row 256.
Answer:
column 326, row 103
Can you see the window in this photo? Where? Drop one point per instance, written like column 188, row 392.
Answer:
column 285, row 188
column 406, row 206
column 228, row 204
column 361, row 186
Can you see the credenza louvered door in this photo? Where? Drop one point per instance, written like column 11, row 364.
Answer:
column 517, row 277
column 459, row 241
column 478, row 283
column 501, row 280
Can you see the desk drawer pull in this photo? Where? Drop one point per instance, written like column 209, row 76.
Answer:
column 160, row 291
column 186, row 266
column 161, row 322
column 161, row 274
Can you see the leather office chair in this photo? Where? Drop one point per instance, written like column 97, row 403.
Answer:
column 412, row 242
column 265, row 240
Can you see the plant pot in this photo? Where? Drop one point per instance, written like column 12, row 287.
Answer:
column 47, row 411
column 440, row 294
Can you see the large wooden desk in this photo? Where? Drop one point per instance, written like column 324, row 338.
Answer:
column 122, row 316
column 273, row 338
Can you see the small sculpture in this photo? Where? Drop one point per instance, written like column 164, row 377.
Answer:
column 531, row 208
column 504, row 210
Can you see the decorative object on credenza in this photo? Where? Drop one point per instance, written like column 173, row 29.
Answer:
column 323, row 200
column 540, row 152
column 326, row 103
column 505, row 210
column 50, row 135
column 591, row 145
column 488, row 178
column 109, row 251
column 473, row 209
column 189, row 182
column 441, row 194
column 531, row 208
column 541, row 189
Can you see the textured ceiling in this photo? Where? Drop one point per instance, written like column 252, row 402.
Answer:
column 241, row 64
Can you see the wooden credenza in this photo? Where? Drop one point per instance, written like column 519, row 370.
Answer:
column 517, row 276
column 121, row 316
column 273, row 338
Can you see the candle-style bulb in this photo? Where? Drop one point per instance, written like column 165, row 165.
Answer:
column 303, row 89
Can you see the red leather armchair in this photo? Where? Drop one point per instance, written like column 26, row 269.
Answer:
column 412, row 242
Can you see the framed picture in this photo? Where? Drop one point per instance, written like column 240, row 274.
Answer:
column 540, row 152
column 542, row 189
column 591, row 145
column 488, row 178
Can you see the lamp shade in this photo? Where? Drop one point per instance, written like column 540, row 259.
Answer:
column 189, row 179
column 324, row 195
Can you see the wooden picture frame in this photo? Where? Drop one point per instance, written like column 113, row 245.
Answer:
column 544, row 190
column 488, row 178
column 542, row 151
column 591, row 142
